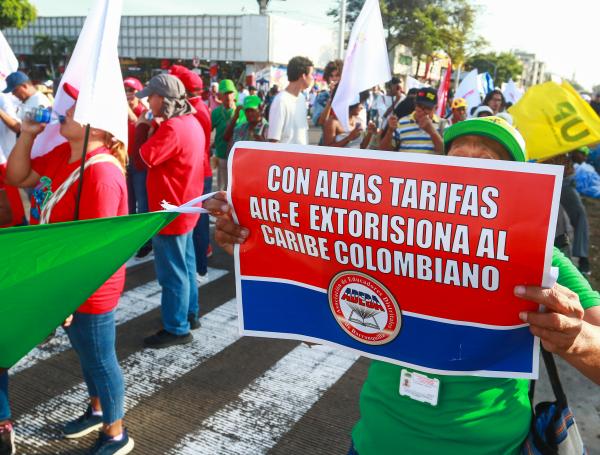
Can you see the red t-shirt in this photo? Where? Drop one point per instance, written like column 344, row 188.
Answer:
column 203, row 116
column 138, row 110
column 175, row 168
column 104, row 194
column 14, row 199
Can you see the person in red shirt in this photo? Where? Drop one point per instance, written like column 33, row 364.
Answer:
column 174, row 158
column 193, row 86
column 91, row 329
column 136, row 171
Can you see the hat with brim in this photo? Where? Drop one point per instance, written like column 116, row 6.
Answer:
column 164, row 85
column 426, row 97
column 492, row 127
column 13, row 80
column 227, row 86
column 252, row 102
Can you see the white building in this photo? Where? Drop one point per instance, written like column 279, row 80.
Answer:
column 261, row 41
column 534, row 70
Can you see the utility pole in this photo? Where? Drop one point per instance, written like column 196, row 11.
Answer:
column 342, row 30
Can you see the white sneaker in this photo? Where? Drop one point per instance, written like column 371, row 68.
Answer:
column 201, row 279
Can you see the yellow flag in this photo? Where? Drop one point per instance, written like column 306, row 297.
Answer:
column 554, row 119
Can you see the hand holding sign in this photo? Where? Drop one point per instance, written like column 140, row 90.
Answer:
column 561, row 325
column 227, row 233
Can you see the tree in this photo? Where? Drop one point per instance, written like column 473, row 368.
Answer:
column 425, row 26
column 501, row 66
column 16, row 13
column 54, row 49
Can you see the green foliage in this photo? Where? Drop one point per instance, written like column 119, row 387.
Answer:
column 596, row 88
column 16, row 13
column 54, row 49
column 426, row 26
column 502, row 66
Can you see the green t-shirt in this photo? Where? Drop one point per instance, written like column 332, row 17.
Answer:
column 474, row 415
column 220, row 118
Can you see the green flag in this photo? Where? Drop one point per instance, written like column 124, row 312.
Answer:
column 48, row 271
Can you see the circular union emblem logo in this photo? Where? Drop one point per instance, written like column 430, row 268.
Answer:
column 364, row 308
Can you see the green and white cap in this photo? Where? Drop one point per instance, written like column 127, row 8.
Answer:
column 493, row 127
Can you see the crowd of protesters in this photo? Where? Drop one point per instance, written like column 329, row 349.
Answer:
column 179, row 133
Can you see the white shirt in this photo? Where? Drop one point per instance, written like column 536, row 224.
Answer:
column 287, row 119
column 37, row 99
column 8, row 138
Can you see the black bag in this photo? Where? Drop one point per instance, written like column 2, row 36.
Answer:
column 553, row 428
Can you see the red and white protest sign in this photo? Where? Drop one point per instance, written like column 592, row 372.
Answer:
column 408, row 258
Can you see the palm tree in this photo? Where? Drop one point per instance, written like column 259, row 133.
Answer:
column 46, row 45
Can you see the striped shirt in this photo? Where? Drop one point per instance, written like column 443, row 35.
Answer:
column 409, row 137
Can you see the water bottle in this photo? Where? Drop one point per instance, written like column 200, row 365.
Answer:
column 40, row 115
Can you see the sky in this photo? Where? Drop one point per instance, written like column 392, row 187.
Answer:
column 558, row 32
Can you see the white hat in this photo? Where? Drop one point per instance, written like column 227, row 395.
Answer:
column 481, row 109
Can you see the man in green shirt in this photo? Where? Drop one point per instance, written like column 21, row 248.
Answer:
column 474, row 415
column 220, row 119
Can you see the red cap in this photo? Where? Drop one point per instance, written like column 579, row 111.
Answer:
column 191, row 81
column 177, row 70
column 133, row 83
column 70, row 90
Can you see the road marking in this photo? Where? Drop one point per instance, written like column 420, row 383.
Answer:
column 145, row 371
column 269, row 407
column 132, row 304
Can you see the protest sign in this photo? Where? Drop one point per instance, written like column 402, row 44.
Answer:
column 406, row 258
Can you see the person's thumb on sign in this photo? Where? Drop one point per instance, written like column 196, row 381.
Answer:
column 227, row 233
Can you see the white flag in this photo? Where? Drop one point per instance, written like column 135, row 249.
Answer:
column 411, row 83
column 366, row 63
column 95, row 71
column 469, row 90
column 511, row 92
column 8, row 61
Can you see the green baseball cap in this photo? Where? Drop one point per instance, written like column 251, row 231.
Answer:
column 252, row 102
column 493, row 127
column 226, row 86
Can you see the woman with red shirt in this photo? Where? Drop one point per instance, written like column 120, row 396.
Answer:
column 91, row 329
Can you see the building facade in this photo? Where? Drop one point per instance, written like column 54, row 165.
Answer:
column 257, row 40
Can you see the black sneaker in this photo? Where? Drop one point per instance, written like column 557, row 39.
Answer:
column 83, row 425
column 7, row 439
column 194, row 321
column 144, row 251
column 164, row 339
column 105, row 445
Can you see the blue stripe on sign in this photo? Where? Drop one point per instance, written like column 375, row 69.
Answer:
column 291, row 309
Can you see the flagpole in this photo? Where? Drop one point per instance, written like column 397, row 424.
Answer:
column 81, row 171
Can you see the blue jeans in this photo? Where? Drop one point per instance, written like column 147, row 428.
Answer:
column 136, row 190
column 352, row 450
column 4, row 404
column 93, row 338
column 201, row 234
column 175, row 264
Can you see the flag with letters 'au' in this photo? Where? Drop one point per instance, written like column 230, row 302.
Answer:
column 47, row 271
column 554, row 119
